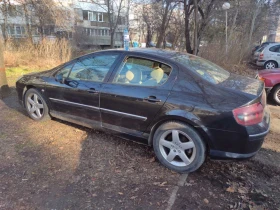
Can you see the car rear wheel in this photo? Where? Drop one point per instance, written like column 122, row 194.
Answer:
column 270, row 65
column 179, row 147
column 35, row 105
column 276, row 94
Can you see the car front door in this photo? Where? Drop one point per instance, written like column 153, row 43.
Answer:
column 75, row 89
column 135, row 94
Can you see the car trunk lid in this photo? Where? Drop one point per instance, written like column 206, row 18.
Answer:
column 246, row 85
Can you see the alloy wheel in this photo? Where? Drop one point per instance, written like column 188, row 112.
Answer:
column 278, row 96
column 177, row 148
column 35, row 105
column 270, row 65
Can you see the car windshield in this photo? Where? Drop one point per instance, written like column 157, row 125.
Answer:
column 206, row 69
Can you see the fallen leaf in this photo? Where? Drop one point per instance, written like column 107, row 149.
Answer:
column 230, row 189
column 242, row 190
column 162, row 184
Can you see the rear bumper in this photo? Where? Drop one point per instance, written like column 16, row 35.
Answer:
column 236, row 145
column 260, row 62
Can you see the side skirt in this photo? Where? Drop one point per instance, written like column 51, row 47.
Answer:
column 114, row 130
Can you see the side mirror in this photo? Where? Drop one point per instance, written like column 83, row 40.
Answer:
column 60, row 78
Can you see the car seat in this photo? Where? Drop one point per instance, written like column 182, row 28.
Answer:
column 134, row 76
column 156, row 77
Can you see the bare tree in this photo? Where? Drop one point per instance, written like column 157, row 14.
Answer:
column 4, row 88
column 166, row 8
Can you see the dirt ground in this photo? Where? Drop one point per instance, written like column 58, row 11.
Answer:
column 58, row 165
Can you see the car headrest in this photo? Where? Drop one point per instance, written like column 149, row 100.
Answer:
column 133, row 76
column 157, row 74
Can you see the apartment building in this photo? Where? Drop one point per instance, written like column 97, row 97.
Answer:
column 86, row 22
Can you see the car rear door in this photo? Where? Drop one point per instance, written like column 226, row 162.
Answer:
column 274, row 53
column 132, row 98
column 74, row 90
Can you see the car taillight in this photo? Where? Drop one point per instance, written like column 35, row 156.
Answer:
column 261, row 56
column 249, row 115
column 262, row 79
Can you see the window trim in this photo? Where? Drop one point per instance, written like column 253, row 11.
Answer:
column 141, row 57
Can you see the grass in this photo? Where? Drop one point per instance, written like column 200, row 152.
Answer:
column 13, row 73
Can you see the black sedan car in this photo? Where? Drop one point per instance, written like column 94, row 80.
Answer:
column 182, row 105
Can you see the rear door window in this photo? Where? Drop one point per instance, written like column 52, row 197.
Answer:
column 142, row 72
column 275, row 49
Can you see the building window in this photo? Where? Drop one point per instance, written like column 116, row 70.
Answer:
column 100, row 17
column 91, row 16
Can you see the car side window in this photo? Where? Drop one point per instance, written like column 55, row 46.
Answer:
column 93, row 68
column 275, row 49
column 142, row 72
column 64, row 72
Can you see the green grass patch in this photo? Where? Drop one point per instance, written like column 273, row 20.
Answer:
column 13, row 73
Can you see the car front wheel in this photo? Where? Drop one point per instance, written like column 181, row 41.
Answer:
column 35, row 105
column 179, row 147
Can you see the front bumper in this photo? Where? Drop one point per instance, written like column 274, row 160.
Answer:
column 268, row 90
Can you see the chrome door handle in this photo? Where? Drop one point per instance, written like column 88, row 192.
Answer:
column 92, row 90
column 152, row 99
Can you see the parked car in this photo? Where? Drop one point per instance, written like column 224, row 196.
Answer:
column 269, row 58
column 151, row 44
column 264, row 44
column 256, row 55
column 271, row 78
column 182, row 105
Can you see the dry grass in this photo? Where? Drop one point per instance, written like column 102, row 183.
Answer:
column 236, row 61
column 46, row 54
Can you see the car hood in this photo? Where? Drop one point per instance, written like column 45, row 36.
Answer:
column 41, row 73
column 246, row 85
column 269, row 72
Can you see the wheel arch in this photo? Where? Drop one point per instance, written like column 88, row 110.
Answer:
column 25, row 89
column 197, row 126
column 272, row 61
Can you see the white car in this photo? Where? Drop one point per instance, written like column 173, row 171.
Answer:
column 269, row 58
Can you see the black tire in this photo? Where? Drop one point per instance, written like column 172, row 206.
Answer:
column 36, row 104
column 271, row 65
column 197, row 153
column 275, row 94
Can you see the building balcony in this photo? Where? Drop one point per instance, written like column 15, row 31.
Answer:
column 100, row 24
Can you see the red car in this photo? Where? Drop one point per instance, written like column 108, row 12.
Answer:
column 271, row 79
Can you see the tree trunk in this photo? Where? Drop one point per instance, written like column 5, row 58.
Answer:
column 187, row 30
column 4, row 88
column 195, row 28
column 149, row 35
column 28, row 26
column 163, row 26
column 255, row 14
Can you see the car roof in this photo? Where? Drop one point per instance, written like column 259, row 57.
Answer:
column 273, row 44
column 152, row 51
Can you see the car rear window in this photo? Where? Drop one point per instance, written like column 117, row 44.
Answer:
column 205, row 69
